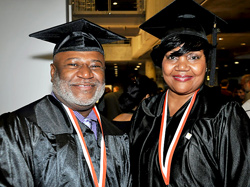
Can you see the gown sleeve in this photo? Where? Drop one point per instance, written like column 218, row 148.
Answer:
column 233, row 146
column 14, row 152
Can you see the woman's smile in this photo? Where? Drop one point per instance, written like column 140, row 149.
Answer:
column 182, row 78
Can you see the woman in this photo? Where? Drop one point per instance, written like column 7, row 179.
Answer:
column 189, row 135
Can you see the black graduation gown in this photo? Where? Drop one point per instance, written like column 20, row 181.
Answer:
column 39, row 147
column 217, row 154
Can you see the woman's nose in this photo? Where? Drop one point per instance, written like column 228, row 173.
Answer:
column 182, row 64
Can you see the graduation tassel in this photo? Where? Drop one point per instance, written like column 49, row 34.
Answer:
column 213, row 55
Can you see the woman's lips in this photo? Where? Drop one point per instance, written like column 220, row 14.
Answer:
column 182, row 78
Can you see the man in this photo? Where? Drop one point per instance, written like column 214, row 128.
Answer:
column 60, row 140
column 245, row 81
column 109, row 104
column 224, row 88
column 246, row 107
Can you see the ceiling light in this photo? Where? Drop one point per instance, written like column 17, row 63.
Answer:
column 139, row 63
column 115, row 66
column 115, row 3
column 236, row 62
column 138, row 66
column 243, row 43
column 221, row 38
column 135, row 69
column 225, row 65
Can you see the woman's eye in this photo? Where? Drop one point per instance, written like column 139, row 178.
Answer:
column 194, row 57
column 171, row 57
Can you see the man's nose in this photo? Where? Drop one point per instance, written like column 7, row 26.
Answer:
column 85, row 72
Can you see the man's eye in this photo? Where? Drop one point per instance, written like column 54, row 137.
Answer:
column 95, row 67
column 72, row 65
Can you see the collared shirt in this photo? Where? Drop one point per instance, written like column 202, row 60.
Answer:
column 91, row 117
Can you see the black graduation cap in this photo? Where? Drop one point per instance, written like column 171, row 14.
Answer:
column 185, row 17
column 79, row 35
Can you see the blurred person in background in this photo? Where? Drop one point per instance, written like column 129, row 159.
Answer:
column 109, row 104
column 239, row 93
column 224, row 88
column 245, row 81
column 140, row 88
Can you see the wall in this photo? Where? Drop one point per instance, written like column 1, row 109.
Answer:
column 24, row 61
column 142, row 43
column 117, row 52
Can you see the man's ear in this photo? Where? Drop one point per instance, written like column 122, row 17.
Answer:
column 52, row 71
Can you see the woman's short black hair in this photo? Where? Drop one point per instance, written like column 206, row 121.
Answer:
column 191, row 43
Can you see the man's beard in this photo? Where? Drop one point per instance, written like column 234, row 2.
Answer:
column 61, row 88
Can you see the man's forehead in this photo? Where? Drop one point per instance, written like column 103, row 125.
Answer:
column 91, row 56
column 79, row 54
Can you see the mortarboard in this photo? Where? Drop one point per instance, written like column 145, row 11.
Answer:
column 182, row 16
column 79, row 35
column 189, row 18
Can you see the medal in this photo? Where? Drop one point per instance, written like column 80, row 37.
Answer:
column 103, row 161
column 165, row 167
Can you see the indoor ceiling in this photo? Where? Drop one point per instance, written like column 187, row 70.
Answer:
column 233, row 49
column 236, row 36
column 233, row 40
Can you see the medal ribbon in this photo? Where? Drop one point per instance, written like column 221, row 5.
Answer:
column 103, row 161
column 165, row 168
